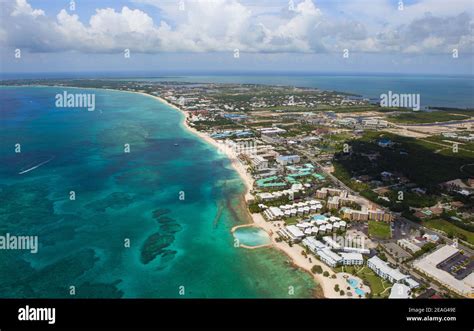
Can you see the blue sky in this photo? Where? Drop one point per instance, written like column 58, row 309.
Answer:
column 205, row 35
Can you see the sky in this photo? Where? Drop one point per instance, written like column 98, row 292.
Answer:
column 301, row 36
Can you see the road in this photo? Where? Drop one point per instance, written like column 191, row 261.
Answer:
column 398, row 217
column 429, row 231
column 328, row 174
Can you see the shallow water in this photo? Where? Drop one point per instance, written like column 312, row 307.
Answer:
column 122, row 198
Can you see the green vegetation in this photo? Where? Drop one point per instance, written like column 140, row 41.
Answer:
column 379, row 229
column 450, row 229
column 425, row 249
column 419, row 160
column 336, row 109
column 316, row 269
column 298, row 129
column 291, row 220
column 426, row 117
column 254, row 208
column 378, row 286
column 219, row 122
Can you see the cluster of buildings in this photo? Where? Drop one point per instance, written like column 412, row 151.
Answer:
column 366, row 214
column 459, row 186
column 337, row 198
column 353, row 122
column 276, row 168
column 287, row 159
column 269, row 196
column 326, row 252
column 317, row 225
column 454, row 135
column 290, row 210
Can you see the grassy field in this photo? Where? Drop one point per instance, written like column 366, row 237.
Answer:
column 378, row 286
column 450, row 229
column 449, row 142
column 425, row 117
column 291, row 220
column 380, row 230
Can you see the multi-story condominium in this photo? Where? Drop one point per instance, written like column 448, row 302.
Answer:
column 258, row 162
column 333, row 202
column 321, row 193
column 352, row 258
column 382, row 269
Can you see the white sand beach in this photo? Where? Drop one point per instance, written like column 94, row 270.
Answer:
column 293, row 252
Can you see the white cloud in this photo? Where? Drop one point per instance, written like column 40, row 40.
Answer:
column 223, row 25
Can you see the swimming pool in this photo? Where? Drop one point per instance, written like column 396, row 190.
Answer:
column 354, row 284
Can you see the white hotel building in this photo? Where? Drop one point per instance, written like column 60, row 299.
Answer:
column 382, row 269
column 329, row 257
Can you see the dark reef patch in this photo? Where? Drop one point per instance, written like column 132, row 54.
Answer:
column 171, row 227
column 166, row 220
column 114, row 200
column 160, row 212
column 155, row 245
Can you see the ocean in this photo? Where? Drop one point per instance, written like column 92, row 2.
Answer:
column 151, row 223
column 434, row 90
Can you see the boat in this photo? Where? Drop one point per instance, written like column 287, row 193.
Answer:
column 34, row 167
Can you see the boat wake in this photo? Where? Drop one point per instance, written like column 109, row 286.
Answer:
column 35, row 166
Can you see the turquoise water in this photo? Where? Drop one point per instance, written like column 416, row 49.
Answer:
column 251, row 236
column 354, row 284
column 121, row 197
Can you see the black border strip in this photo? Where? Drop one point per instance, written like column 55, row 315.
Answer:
column 290, row 314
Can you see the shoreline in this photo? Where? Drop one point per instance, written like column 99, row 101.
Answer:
column 221, row 148
column 294, row 252
column 326, row 284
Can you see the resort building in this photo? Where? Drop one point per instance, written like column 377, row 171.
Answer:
column 287, row 159
column 273, row 213
column 271, row 131
column 335, row 191
column 333, row 202
column 331, row 243
column 379, row 215
column 382, row 269
column 268, row 196
column 356, row 250
column 258, row 162
column 352, row 258
column 313, row 244
column 364, row 214
column 329, row 257
column 293, row 233
column 321, row 194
